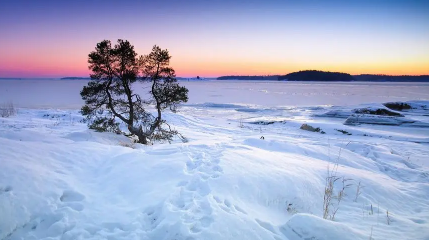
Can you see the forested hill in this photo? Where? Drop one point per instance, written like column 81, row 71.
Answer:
column 308, row 75
column 313, row 75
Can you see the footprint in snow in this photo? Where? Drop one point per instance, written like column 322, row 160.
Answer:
column 199, row 216
column 228, row 207
column 203, row 223
column 76, row 206
column 418, row 221
column 199, row 186
column 192, row 197
column 71, row 196
column 266, row 225
column 5, row 189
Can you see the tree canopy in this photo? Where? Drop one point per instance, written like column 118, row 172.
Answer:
column 110, row 97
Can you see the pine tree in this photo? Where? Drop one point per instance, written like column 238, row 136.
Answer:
column 110, row 99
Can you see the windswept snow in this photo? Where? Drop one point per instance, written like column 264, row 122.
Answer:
column 59, row 180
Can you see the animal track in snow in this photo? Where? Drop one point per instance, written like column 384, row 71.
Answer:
column 54, row 221
column 151, row 218
column 240, row 209
column 396, row 168
column 199, row 186
column 5, row 189
column 418, row 221
column 266, row 225
column 206, row 163
column 48, row 225
column 192, row 197
column 228, row 207
column 75, row 206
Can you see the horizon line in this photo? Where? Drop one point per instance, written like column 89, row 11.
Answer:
column 235, row 75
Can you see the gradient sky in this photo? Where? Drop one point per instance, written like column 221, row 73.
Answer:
column 47, row 38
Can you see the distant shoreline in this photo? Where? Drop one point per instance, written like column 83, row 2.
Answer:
column 324, row 76
column 301, row 76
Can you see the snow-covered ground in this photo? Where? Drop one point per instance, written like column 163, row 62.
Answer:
column 59, row 180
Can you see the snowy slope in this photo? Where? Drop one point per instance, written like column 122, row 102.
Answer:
column 59, row 180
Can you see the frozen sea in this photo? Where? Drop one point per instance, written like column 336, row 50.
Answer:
column 65, row 93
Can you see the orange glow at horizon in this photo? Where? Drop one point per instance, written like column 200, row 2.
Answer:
column 216, row 69
column 211, row 62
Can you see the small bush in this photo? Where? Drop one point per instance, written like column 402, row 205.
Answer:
column 332, row 199
column 7, row 110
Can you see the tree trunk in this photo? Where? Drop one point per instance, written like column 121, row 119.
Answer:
column 139, row 133
column 143, row 140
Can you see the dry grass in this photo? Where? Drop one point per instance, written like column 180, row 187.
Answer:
column 331, row 198
column 388, row 217
column 358, row 191
column 240, row 123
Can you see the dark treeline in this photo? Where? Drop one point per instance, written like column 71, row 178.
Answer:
column 268, row 77
column 388, row 78
column 314, row 75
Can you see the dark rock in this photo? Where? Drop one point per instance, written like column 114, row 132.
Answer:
column 398, row 106
column 378, row 111
column 309, row 128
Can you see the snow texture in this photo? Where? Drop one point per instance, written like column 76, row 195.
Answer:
column 59, row 180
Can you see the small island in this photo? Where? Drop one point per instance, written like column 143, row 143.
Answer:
column 314, row 75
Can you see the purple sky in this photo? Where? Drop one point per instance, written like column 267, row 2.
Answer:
column 212, row 38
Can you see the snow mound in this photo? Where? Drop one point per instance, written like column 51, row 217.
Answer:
column 306, row 226
column 91, row 136
column 356, row 119
column 335, row 114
